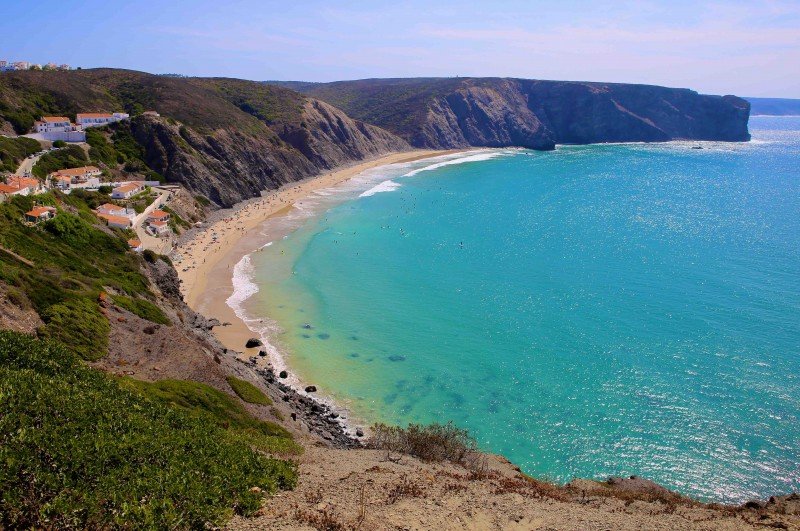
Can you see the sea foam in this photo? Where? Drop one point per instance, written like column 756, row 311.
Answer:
column 385, row 186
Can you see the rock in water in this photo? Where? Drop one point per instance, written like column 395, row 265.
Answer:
column 253, row 342
column 311, row 389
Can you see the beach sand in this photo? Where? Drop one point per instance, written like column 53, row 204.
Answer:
column 207, row 259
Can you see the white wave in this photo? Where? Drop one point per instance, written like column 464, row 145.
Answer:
column 243, row 286
column 385, row 186
column 469, row 158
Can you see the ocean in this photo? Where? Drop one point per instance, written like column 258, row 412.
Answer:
column 592, row 311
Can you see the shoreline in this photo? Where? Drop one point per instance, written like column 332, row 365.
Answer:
column 207, row 257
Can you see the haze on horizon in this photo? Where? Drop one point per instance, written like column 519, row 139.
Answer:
column 748, row 48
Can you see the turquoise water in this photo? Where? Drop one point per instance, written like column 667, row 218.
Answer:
column 597, row 310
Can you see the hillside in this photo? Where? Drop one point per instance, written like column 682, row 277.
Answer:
column 223, row 138
column 774, row 106
column 499, row 112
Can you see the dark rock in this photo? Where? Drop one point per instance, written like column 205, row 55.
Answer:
column 311, row 389
column 307, row 326
column 397, row 357
column 294, row 416
column 253, row 342
column 262, row 353
column 283, row 374
column 359, row 432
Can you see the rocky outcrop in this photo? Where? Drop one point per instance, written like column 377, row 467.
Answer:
column 229, row 165
column 497, row 112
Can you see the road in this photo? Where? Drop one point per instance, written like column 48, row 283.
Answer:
column 26, row 166
column 158, row 245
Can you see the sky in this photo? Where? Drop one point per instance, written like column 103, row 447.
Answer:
column 748, row 48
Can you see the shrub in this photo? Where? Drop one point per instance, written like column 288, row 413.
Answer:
column 13, row 150
column 219, row 408
column 150, row 256
column 78, row 324
column 71, row 157
column 434, row 442
column 143, row 308
column 59, row 144
column 79, row 451
column 248, row 392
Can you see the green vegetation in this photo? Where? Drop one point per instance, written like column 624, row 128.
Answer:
column 59, row 144
column 203, row 401
column 175, row 221
column 143, row 308
column 74, row 261
column 14, row 150
column 248, row 392
column 71, row 157
column 78, row 450
column 433, row 442
column 79, row 324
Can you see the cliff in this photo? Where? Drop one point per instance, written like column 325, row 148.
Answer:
column 224, row 138
column 500, row 112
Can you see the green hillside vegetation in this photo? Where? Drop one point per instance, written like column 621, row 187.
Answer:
column 216, row 407
column 248, row 392
column 78, row 450
column 72, row 156
column 14, row 150
column 143, row 308
column 74, row 260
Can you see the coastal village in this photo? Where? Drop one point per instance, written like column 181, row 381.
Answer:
column 138, row 207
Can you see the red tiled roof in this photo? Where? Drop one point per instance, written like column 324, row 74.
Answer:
column 39, row 211
column 75, row 172
column 55, row 119
column 134, row 243
column 6, row 189
column 93, row 115
column 119, row 220
column 158, row 214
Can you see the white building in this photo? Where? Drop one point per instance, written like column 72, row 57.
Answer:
column 54, row 128
column 97, row 119
column 116, row 222
column 70, row 179
column 158, row 228
column 114, row 210
column 126, row 191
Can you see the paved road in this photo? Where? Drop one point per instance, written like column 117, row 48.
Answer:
column 26, row 166
column 158, row 245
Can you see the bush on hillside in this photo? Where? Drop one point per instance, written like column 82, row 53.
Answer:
column 59, row 144
column 79, row 451
column 433, row 442
column 143, row 308
column 72, row 156
column 248, row 392
column 215, row 406
column 14, row 150
column 79, row 324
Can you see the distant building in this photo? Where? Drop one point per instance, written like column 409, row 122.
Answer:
column 114, row 210
column 158, row 228
column 22, row 65
column 135, row 245
column 7, row 191
column 40, row 213
column 157, row 215
column 126, row 191
column 3, row 65
column 54, row 128
column 28, row 185
column 63, row 67
column 72, row 178
column 117, row 222
column 97, row 119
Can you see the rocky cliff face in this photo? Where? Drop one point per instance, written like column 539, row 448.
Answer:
column 229, row 165
column 536, row 114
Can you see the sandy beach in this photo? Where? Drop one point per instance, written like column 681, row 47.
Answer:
column 208, row 257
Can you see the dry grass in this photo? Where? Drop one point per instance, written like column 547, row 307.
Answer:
column 405, row 488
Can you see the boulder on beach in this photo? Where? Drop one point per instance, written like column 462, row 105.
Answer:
column 283, row 374
column 311, row 389
column 262, row 353
column 253, row 342
column 359, row 432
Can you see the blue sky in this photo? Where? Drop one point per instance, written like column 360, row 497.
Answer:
column 748, row 48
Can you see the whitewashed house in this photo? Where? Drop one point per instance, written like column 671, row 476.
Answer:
column 54, row 128
column 114, row 210
column 72, row 178
column 97, row 119
column 126, row 191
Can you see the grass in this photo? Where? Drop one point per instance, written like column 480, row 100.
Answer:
column 248, row 392
column 203, row 401
column 143, row 308
column 14, row 150
column 74, row 261
column 78, row 323
column 80, row 451
column 70, row 157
